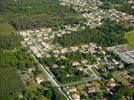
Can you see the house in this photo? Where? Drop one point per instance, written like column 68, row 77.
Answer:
column 31, row 69
column 63, row 67
column 131, row 86
column 34, row 49
column 84, row 46
column 103, row 52
column 115, row 61
column 64, row 50
column 84, row 61
column 111, row 83
column 62, row 57
column 75, row 63
column 110, row 67
column 121, row 66
column 75, row 97
column 73, row 89
column 59, row 35
column 45, row 35
column 74, row 48
column 46, row 38
column 91, row 90
column 39, row 35
column 38, row 55
column 49, row 29
column 29, row 43
column 56, row 52
column 39, row 39
column 24, row 33
column 79, row 68
column 55, row 66
column 43, row 43
column 39, row 80
column 26, row 39
column 37, row 31
column 131, row 78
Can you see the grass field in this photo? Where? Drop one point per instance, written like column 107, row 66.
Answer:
column 130, row 37
column 10, row 84
column 8, row 37
column 6, row 29
column 120, row 78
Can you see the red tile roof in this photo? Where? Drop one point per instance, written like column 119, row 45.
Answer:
column 131, row 86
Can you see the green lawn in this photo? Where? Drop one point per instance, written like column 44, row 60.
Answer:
column 130, row 37
column 10, row 84
column 81, row 86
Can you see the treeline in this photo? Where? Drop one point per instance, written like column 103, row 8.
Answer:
column 121, row 5
column 108, row 34
column 30, row 14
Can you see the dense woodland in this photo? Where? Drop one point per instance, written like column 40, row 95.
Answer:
column 29, row 14
column 19, row 59
column 108, row 34
column 10, row 62
column 10, row 84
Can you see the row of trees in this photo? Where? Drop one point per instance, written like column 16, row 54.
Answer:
column 108, row 34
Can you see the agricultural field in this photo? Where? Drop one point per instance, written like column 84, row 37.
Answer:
column 10, row 84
